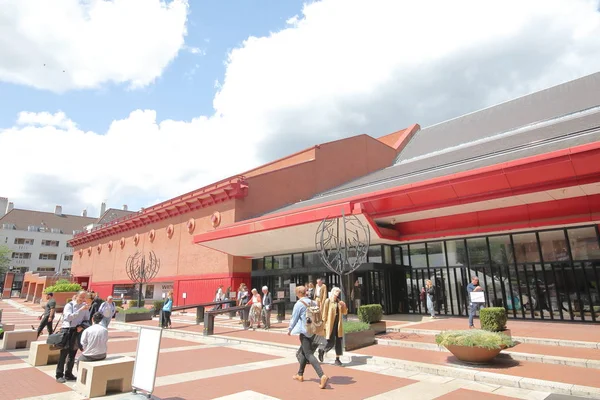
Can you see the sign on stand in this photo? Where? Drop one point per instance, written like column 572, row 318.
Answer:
column 146, row 360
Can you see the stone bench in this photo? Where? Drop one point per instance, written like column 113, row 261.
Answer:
column 42, row 353
column 114, row 374
column 21, row 339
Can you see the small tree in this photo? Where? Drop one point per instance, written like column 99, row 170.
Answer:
column 5, row 253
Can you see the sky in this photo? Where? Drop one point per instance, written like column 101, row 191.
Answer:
column 137, row 101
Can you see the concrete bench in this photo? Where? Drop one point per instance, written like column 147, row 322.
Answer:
column 96, row 378
column 21, row 339
column 8, row 327
column 42, row 353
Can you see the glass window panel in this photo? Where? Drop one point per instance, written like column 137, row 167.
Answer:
column 374, row 255
column 268, row 262
column 387, row 254
column 501, row 250
column 297, row 259
column 478, row 251
column 526, row 248
column 418, row 257
column 584, row 243
column 436, row 254
column 397, row 255
column 554, row 246
column 457, row 254
column 282, row 262
column 313, row 260
column 405, row 256
column 258, row 264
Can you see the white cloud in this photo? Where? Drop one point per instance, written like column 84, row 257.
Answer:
column 84, row 44
column 341, row 67
column 58, row 119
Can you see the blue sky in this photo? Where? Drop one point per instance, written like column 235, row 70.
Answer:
column 183, row 91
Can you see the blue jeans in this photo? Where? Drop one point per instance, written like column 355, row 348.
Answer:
column 105, row 322
column 473, row 308
column 430, row 306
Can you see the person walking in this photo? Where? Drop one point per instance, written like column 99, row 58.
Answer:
column 108, row 310
column 74, row 315
column 430, row 294
column 306, row 352
column 96, row 302
column 267, row 306
column 48, row 315
column 166, row 320
column 473, row 307
column 219, row 296
column 332, row 312
column 255, row 304
column 311, row 291
column 320, row 293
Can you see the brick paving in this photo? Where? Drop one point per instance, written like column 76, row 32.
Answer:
column 212, row 368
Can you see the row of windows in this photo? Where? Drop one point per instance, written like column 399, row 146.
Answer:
column 30, row 242
column 43, row 256
column 557, row 245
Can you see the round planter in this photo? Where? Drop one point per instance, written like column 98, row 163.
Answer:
column 473, row 355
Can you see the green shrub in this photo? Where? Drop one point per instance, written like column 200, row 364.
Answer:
column 493, row 319
column 370, row 313
column 63, row 282
column 158, row 304
column 118, row 303
column 355, row 326
column 474, row 338
column 119, row 309
column 137, row 310
column 134, row 303
column 61, row 286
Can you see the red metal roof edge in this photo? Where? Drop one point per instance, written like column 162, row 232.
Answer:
column 540, row 158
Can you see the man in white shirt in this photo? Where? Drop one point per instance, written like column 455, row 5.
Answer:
column 107, row 309
column 94, row 341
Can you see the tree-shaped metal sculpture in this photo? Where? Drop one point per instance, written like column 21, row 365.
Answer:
column 343, row 244
column 141, row 271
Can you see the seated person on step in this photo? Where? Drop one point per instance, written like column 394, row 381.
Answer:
column 94, row 341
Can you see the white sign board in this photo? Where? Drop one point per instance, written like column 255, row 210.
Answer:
column 477, row 297
column 146, row 359
column 293, row 292
column 164, row 295
column 184, row 295
column 280, row 294
column 232, row 295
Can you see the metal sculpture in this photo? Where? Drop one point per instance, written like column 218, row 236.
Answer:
column 343, row 244
column 141, row 271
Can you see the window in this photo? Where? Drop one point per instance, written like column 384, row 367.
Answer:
column 387, row 254
column 282, row 262
column 478, row 251
column 68, row 258
column 418, row 258
column 69, row 244
column 501, row 250
column 436, row 254
column 21, row 270
column 45, row 269
column 297, row 260
column 554, row 246
column 313, row 260
column 374, row 254
column 52, row 243
column 397, row 255
column 21, row 256
column 457, row 254
column 149, row 292
column 23, row 241
column 584, row 243
column 269, row 262
column 48, row 256
column 526, row 248
column 258, row 264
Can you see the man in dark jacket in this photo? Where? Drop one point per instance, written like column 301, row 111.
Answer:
column 96, row 303
column 267, row 306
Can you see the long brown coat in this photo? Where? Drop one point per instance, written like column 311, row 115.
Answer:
column 328, row 314
column 322, row 296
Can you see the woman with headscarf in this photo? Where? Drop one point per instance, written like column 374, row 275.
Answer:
column 255, row 308
column 333, row 310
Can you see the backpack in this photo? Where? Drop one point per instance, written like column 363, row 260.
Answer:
column 314, row 320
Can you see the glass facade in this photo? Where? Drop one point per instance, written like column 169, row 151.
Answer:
column 547, row 274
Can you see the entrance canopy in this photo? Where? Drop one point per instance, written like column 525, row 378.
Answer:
column 554, row 188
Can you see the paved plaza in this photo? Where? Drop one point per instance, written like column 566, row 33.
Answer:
column 554, row 361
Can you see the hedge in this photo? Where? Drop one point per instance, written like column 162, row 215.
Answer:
column 370, row 313
column 61, row 286
column 134, row 303
column 355, row 326
column 493, row 319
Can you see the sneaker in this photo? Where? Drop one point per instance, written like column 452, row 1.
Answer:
column 298, row 378
column 324, row 380
column 71, row 378
column 338, row 362
column 61, row 380
column 321, row 354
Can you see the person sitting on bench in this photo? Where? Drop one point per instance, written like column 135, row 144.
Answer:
column 94, row 341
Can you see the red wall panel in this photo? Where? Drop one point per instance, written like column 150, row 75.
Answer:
column 103, row 289
column 203, row 290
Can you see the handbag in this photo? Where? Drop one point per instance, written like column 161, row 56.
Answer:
column 58, row 339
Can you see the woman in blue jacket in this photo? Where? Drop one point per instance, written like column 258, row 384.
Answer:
column 166, row 320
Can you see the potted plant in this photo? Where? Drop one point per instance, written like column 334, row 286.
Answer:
column 134, row 314
column 357, row 334
column 63, row 291
column 493, row 319
column 372, row 314
column 474, row 346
